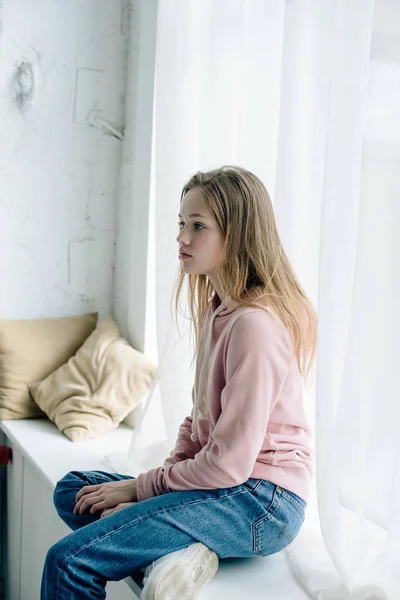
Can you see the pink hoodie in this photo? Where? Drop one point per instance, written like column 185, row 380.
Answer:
column 248, row 417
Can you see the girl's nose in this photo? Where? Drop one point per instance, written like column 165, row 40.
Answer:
column 182, row 237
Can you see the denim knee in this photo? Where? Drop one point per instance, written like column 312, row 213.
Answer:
column 72, row 483
column 56, row 555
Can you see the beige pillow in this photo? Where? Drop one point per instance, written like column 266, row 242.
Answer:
column 31, row 349
column 91, row 394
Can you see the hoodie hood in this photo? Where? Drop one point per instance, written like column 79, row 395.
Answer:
column 217, row 310
column 216, row 303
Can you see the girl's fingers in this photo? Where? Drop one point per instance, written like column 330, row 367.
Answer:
column 87, row 489
column 109, row 511
column 99, row 506
column 99, row 497
column 96, row 503
column 86, row 501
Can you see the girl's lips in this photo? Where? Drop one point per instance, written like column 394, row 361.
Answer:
column 184, row 256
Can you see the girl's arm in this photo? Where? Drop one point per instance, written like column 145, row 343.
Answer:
column 258, row 356
column 185, row 447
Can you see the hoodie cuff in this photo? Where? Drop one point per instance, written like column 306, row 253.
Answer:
column 146, row 487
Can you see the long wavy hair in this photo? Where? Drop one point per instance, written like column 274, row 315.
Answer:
column 254, row 269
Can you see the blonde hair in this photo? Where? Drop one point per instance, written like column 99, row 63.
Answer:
column 254, row 267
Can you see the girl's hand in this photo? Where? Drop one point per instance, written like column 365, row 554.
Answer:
column 110, row 511
column 105, row 495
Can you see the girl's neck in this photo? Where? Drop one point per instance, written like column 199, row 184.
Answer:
column 228, row 302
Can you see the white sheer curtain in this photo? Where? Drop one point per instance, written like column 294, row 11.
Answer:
column 337, row 165
column 305, row 94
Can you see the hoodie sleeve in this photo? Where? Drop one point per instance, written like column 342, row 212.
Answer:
column 257, row 357
column 185, row 447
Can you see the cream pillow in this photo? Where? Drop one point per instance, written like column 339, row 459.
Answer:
column 31, row 349
column 91, row 394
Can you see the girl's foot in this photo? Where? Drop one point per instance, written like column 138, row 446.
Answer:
column 180, row 575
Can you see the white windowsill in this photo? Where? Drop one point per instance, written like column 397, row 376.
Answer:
column 52, row 455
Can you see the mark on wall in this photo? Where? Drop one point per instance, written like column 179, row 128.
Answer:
column 70, row 249
column 89, row 86
column 94, row 118
column 26, row 77
column 87, row 211
column 126, row 15
column 23, row 83
column 90, row 260
column 95, row 102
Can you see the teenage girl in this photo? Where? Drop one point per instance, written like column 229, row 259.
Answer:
column 238, row 480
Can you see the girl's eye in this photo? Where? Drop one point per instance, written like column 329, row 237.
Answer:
column 181, row 223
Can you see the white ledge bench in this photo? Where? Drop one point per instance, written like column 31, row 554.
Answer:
column 41, row 456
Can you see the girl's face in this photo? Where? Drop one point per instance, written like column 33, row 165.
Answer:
column 199, row 236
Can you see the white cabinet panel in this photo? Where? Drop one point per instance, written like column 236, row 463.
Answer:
column 15, row 470
column 3, row 474
column 119, row 590
column 41, row 528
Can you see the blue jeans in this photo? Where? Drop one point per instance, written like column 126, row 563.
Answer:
column 254, row 518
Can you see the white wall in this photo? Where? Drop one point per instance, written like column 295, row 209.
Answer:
column 59, row 176
column 134, row 283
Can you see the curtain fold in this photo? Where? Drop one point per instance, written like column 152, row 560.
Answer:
column 288, row 90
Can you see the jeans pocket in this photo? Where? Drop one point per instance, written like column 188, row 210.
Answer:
column 277, row 529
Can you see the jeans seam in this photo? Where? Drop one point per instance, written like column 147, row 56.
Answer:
column 255, row 488
column 157, row 512
column 294, row 502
